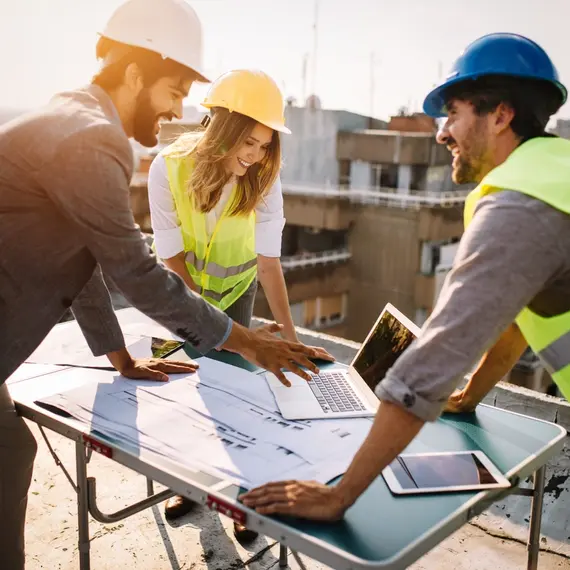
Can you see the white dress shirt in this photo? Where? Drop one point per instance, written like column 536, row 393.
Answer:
column 166, row 225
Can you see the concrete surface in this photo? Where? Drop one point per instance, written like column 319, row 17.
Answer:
column 201, row 540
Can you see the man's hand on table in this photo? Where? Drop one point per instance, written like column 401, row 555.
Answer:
column 459, row 403
column 306, row 499
column 149, row 368
column 262, row 347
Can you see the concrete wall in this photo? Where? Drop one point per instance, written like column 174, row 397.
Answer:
column 309, row 153
column 440, row 223
column 348, row 121
column 385, row 243
column 386, row 247
column 391, row 147
column 360, row 174
column 385, row 257
column 404, row 178
column 318, row 212
column 309, row 283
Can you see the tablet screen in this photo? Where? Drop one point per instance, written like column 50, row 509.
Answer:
column 441, row 471
column 161, row 347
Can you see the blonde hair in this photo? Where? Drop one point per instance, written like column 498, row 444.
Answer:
column 209, row 149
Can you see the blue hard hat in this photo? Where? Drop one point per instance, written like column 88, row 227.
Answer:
column 496, row 54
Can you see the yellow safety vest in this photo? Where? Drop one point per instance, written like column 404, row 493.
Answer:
column 224, row 266
column 539, row 168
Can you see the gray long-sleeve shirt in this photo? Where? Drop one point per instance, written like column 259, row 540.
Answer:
column 515, row 253
column 65, row 215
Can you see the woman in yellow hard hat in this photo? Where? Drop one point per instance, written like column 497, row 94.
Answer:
column 217, row 208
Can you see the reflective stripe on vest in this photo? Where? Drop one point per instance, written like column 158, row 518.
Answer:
column 539, row 168
column 217, row 270
column 191, row 258
column 216, row 296
column 556, row 355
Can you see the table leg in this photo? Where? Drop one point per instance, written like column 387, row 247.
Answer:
column 82, row 506
column 149, row 487
column 300, row 563
column 282, row 556
column 533, row 545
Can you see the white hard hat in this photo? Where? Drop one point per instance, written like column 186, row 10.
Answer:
column 170, row 28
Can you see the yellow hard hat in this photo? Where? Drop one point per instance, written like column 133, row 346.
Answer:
column 249, row 92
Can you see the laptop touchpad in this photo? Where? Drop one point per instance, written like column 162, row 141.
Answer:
column 296, row 381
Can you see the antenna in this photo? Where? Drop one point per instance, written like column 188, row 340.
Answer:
column 304, row 93
column 315, row 44
column 372, row 84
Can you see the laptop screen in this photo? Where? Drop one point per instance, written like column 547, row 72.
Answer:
column 386, row 342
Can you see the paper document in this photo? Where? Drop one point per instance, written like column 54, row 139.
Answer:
column 66, row 345
column 28, row 371
column 224, row 425
column 133, row 322
column 250, row 386
column 65, row 350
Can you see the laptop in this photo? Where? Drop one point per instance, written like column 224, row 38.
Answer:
column 348, row 393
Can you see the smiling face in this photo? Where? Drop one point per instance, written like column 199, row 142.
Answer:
column 253, row 150
column 468, row 137
column 159, row 102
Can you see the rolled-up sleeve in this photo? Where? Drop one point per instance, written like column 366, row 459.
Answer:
column 270, row 222
column 497, row 271
column 163, row 216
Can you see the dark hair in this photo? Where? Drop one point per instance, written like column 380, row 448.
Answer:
column 533, row 101
column 152, row 65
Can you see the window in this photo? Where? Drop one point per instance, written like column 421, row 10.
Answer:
column 389, row 176
column 375, row 175
column 344, row 173
column 320, row 312
column 331, row 309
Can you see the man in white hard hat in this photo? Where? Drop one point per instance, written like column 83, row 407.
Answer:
column 66, row 220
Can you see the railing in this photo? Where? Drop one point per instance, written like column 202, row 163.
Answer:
column 385, row 196
column 312, row 259
column 392, row 197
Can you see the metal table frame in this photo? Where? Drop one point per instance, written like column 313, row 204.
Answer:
column 288, row 537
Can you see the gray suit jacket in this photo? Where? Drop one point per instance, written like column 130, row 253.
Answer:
column 65, row 215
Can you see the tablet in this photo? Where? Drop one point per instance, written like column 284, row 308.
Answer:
column 162, row 348
column 443, row 472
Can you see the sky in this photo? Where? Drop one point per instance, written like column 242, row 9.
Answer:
column 371, row 57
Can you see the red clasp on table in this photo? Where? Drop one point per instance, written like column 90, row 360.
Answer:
column 226, row 509
column 97, row 446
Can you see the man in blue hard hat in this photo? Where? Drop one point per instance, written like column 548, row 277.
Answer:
column 510, row 283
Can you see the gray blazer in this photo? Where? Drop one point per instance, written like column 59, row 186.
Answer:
column 64, row 216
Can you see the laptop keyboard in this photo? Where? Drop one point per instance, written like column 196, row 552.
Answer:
column 334, row 393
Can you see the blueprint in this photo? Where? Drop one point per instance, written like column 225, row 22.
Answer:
column 66, row 345
column 221, row 420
